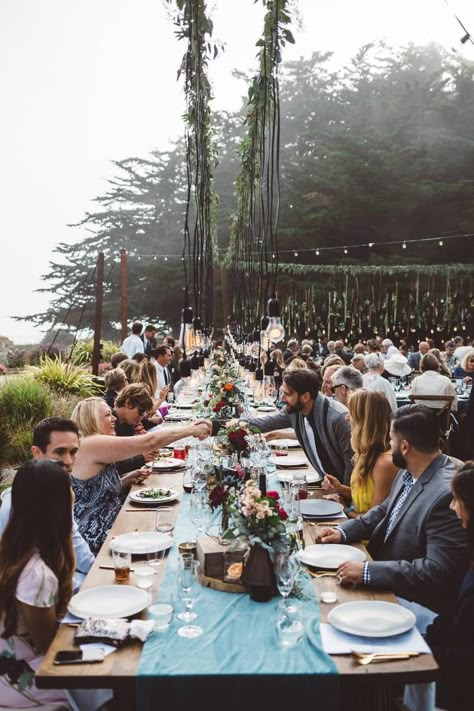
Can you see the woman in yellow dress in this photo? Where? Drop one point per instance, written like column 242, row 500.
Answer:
column 373, row 472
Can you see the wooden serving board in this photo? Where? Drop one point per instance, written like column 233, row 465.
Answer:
column 221, row 585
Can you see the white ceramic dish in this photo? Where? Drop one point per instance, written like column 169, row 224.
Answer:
column 311, row 476
column 266, row 408
column 290, row 443
column 110, row 601
column 317, row 508
column 140, row 543
column 329, row 555
column 167, row 464
column 138, row 497
column 372, row 618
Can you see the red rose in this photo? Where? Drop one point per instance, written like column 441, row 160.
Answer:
column 217, row 496
column 282, row 514
column 273, row 495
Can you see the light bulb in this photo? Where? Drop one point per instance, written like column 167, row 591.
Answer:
column 404, row 245
column 274, row 331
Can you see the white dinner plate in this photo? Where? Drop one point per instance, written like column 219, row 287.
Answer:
column 111, row 601
column 289, row 462
column 329, row 555
column 372, row 618
column 266, row 408
column 139, row 498
column 167, row 464
column 311, row 476
column 313, row 508
column 138, row 543
column 183, row 405
column 290, row 443
column 178, row 416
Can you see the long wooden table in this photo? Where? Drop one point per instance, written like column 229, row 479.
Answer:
column 119, row 670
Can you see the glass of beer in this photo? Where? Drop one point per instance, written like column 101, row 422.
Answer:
column 122, row 565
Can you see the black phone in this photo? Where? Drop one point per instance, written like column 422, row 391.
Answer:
column 77, row 656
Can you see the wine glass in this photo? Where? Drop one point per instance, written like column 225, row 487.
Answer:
column 165, row 520
column 199, row 476
column 189, row 591
column 286, row 569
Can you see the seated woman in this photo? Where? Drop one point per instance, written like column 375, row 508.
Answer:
column 132, row 370
column 149, row 379
column 451, row 637
column 36, row 569
column 432, row 382
column 96, row 482
column 466, row 369
column 373, row 473
column 115, row 380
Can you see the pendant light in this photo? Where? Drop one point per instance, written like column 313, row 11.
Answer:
column 274, row 331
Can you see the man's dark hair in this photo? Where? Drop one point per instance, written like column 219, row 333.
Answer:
column 137, row 328
column 170, row 342
column 118, row 358
column 42, row 431
column 419, row 425
column 162, row 350
column 149, row 327
column 137, row 395
column 303, row 380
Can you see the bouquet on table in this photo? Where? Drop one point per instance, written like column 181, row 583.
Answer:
column 225, row 398
column 238, row 439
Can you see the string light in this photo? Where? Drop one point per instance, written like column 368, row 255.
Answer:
column 296, row 254
column 404, row 245
column 345, row 250
column 441, row 243
column 371, row 244
column 317, row 252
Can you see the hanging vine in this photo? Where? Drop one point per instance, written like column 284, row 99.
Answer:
column 353, row 300
column 254, row 227
column 195, row 28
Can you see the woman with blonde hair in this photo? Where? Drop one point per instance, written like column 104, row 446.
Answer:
column 277, row 357
column 295, row 364
column 149, row 379
column 132, row 370
column 373, row 472
column 443, row 368
column 96, row 482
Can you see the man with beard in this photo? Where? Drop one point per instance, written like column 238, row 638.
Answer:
column 417, row 542
column 320, row 424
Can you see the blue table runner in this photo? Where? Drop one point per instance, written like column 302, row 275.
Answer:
column 239, row 645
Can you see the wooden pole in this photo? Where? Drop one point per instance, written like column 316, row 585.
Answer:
column 123, row 292
column 98, row 313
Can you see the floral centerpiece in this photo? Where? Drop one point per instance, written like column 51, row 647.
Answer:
column 225, row 398
column 236, row 439
column 223, row 487
column 260, row 521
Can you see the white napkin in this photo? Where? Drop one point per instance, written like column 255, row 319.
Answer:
column 141, row 629
column 105, row 648
column 337, row 642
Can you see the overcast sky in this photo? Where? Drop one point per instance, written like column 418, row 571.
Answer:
column 86, row 82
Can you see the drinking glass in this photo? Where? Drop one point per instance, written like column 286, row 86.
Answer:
column 199, row 476
column 155, row 558
column 290, row 625
column 179, row 451
column 122, row 563
column 165, row 520
column 144, row 575
column 286, row 569
column 189, row 589
column 281, row 448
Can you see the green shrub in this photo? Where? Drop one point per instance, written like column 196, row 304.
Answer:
column 64, row 378
column 23, row 403
column 82, row 353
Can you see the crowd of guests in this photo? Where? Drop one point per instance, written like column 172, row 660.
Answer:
column 410, row 502
column 62, row 504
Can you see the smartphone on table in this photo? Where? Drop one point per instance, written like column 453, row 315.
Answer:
column 78, row 656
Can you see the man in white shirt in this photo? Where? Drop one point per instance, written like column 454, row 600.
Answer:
column 163, row 357
column 133, row 343
column 461, row 349
column 373, row 378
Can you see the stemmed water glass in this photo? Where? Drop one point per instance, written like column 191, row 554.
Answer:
column 199, row 476
column 189, row 592
column 286, row 570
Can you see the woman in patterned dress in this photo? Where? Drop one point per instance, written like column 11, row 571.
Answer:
column 99, row 490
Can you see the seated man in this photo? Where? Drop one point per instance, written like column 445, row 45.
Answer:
column 344, row 381
column 417, row 542
column 57, row 438
column 320, row 424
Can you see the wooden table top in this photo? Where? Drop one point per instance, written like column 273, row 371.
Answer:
column 120, row 668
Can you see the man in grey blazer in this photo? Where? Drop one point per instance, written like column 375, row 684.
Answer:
column 320, row 423
column 417, row 542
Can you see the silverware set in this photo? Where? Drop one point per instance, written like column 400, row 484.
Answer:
column 363, row 658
